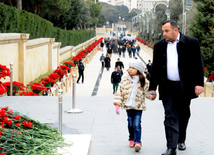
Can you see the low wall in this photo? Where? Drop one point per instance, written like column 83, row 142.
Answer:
column 104, row 29
column 208, row 87
column 32, row 58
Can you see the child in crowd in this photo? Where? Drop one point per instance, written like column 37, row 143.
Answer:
column 131, row 94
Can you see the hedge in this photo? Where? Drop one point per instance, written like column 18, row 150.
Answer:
column 13, row 20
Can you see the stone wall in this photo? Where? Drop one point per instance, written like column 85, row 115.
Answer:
column 32, row 58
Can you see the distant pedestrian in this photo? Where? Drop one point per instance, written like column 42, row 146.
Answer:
column 107, row 62
column 119, row 70
column 129, row 51
column 124, row 50
column 131, row 94
column 102, row 44
column 109, row 51
column 120, row 50
column 119, row 63
column 133, row 51
column 149, row 67
column 81, row 69
column 138, row 49
column 115, row 79
column 102, row 60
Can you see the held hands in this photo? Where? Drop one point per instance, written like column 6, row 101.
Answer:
column 198, row 90
column 152, row 94
column 117, row 109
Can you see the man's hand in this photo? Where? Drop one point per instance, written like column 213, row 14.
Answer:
column 199, row 90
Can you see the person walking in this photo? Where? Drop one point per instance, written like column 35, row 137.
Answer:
column 107, row 62
column 102, row 45
column 138, row 49
column 124, row 50
column 120, row 71
column 81, row 69
column 115, row 79
column 131, row 94
column 109, row 51
column 119, row 63
column 149, row 67
column 175, row 82
column 102, row 60
column 129, row 51
column 120, row 50
column 133, row 51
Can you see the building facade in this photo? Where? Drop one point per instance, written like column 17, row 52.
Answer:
column 143, row 5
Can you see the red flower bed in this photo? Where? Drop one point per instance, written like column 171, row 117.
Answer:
column 16, row 87
column 37, row 87
column 211, row 77
column 4, row 71
column 3, row 89
column 69, row 64
column 54, row 76
column 47, row 82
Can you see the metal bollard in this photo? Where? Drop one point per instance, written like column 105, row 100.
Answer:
column 11, row 79
column 73, row 110
column 60, row 92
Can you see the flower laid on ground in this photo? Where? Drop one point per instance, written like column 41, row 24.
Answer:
column 47, row 82
column 16, row 87
column 20, row 135
column 27, row 93
column 37, row 87
column 211, row 77
column 69, row 64
column 60, row 72
column 64, row 68
column 4, row 71
column 205, row 69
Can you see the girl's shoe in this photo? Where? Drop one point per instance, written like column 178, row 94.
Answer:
column 131, row 143
column 137, row 147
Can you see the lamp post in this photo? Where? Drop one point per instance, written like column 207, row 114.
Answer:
column 167, row 12
column 189, row 6
column 106, row 25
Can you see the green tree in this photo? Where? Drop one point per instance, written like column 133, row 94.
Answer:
column 85, row 14
column 95, row 10
column 202, row 28
column 71, row 18
column 102, row 21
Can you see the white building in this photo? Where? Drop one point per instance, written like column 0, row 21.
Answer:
column 143, row 5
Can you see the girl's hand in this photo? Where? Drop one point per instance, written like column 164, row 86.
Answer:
column 117, row 109
column 152, row 94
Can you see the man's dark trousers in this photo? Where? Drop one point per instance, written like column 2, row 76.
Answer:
column 81, row 74
column 177, row 114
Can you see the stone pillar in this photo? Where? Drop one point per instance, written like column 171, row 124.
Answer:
column 58, row 54
column 50, row 54
column 22, row 58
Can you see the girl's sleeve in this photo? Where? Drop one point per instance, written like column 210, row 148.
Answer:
column 118, row 99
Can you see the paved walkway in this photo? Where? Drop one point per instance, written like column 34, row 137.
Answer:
column 108, row 130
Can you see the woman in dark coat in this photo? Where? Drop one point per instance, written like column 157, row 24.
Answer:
column 107, row 62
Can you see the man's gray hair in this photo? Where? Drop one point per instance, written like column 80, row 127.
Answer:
column 172, row 23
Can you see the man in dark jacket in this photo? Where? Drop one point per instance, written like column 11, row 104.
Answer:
column 174, row 78
column 115, row 79
column 81, row 71
column 119, row 63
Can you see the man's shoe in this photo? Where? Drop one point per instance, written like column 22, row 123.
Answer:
column 137, row 147
column 170, row 151
column 181, row 146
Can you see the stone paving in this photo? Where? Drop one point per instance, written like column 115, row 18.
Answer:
column 109, row 131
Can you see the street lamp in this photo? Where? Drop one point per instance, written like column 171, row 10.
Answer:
column 167, row 12
column 189, row 6
column 106, row 25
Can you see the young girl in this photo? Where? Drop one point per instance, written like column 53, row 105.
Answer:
column 131, row 94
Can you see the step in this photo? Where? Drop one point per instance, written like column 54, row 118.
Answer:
column 80, row 144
